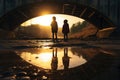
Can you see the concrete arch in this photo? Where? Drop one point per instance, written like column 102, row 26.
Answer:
column 14, row 18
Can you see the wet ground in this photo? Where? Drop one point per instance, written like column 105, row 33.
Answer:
column 47, row 60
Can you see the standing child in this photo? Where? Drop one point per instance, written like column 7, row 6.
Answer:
column 65, row 29
column 54, row 28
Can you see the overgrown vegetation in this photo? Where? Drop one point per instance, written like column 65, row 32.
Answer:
column 83, row 30
column 78, row 27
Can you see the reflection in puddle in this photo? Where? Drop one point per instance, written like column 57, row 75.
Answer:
column 79, row 63
column 55, row 58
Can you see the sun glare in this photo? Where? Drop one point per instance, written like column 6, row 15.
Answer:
column 45, row 57
column 46, row 20
column 43, row 20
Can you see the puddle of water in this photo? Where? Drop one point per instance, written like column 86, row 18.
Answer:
column 79, row 61
column 53, row 58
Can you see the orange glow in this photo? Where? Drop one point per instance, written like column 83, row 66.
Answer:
column 42, row 20
column 43, row 58
column 45, row 20
column 45, row 13
column 46, row 57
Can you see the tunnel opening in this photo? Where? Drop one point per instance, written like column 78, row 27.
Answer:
column 39, row 27
column 13, row 19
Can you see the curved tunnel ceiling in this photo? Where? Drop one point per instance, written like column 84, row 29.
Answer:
column 15, row 17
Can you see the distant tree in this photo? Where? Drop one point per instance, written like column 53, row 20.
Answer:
column 78, row 26
column 84, row 24
column 73, row 29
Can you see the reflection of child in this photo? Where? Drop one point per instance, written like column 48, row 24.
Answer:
column 54, row 62
column 65, row 59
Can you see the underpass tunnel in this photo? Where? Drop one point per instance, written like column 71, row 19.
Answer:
column 14, row 18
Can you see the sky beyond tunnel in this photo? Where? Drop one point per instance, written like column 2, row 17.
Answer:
column 46, row 20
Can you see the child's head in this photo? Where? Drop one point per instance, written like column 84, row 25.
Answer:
column 54, row 18
column 65, row 21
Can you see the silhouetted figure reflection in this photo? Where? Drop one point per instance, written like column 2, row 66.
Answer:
column 66, row 59
column 54, row 62
column 54, row 28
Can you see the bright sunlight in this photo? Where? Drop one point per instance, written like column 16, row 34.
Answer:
column 45, row 57
column 46, row 20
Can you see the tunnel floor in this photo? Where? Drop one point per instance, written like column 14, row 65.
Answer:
column 47, row 60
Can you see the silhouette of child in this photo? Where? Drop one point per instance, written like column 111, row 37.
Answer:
column 54, row 28
column 65, row 29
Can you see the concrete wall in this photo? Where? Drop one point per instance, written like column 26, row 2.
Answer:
column 110, row 8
